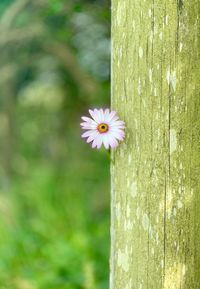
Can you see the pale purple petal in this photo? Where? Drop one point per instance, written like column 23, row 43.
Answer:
column 94, row 114
column 117, row 129
column 89, row 127
column 112, row 141
column 86, row 125
column 99, row 141
column 87, row 119
column 93, row 135
column 106, row 141
column 110, row 116
column 88, row 122
column 100, row 115
column 118, row 135
column 116, row 117
column 106, row 113
column 117, row 122
column 94, row 143
column 87, row 134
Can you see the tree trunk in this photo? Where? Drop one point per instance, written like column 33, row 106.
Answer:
column 155, row 207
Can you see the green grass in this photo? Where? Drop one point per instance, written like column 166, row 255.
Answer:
column 54, row 220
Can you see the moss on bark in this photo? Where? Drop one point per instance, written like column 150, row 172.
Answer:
column 155, row 226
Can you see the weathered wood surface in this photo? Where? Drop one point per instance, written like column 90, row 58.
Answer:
column 155, row 173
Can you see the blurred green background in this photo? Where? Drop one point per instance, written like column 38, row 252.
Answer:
column 54, row 189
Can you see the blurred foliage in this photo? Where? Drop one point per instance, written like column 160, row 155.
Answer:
column 54, row 189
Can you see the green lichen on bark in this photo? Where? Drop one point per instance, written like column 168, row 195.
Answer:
column 155, row 207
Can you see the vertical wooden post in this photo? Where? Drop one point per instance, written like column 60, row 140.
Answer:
column 155, row 226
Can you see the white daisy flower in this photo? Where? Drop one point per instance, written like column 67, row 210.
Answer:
column 103, row 128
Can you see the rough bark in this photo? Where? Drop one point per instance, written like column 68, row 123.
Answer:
column 155, row 207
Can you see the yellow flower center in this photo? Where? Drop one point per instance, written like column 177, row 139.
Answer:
column 103, row 127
